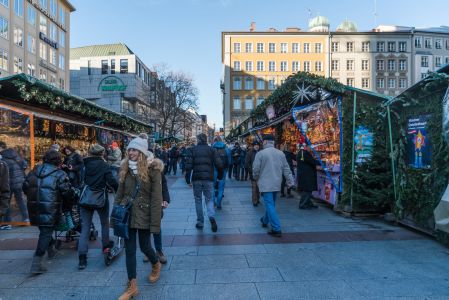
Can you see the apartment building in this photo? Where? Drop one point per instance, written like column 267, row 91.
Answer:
column 35, row 39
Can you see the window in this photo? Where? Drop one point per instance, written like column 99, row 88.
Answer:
column 61, row 62
column 380, row 65
column 317, row 47
column 236, row 47
column 447, row 44
column 104, row 67
column 402, row 46
column 438, row 44
column 391, row 46
column 62, row 38
column 237, row 104
column 43, row 51
column 272, row 66
column 18, row 8
column 284, row 66
column 53, row 32
column 249, row 66
column 284, row 47
column 31, row 44
column 123, row 66
column 61, row 83
column 307, row 66
column 391, row 83
column 402, row 83
column 318, row 66
column 31, row 70
column 43, row 24
column 89, row 67
column 306, row 48
column 365, row 65
column 438, row 61
column 4, row 27
column 62, row 15
column 295, row 47
column 335, row 66
column 249, row 103
column 349, row 47
column 260, row 66
column 53, row 56
column 31, row 15
column 424, row 61
column 295, row 66
column 249, row 47
column 237, row 66
column 260, row 100
column 237, row 83
column 350, row 81
column 272, row 47
column 18, row 65
column 350, row 65
column 365, row 46
column 3, row 60
column 42, row 75
column 18, row 36
column 402, row 65
column 259, row 47
column 391, row 65
column 380, row 46
column 380, row 82
column 112, row 66
column 335, row 46
column 423, row 75
column 249, row 83
column 260, row 84
column 4, row 2
column 272, row 84
column 365, row 83
column 428, row 43
column 43, row 4
column 53, row 79
column 53, row 8
column 446, row 60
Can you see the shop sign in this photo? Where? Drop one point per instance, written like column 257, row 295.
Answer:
column 270, row 112
column 363, row 142
column 48, row 41
column 419, row 148
column 111, row 84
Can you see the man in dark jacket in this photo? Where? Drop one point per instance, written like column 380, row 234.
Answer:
column 174, row 156
column 235, row 153
column 4, row 188
column 73, row 165
column 46, row 187
column 249, row 166
column 290, row 156
column 16, row 167
column 202, row 160
column 306, row 177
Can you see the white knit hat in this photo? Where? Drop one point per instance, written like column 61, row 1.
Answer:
column 139, row 144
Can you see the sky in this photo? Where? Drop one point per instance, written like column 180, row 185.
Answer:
column 186, row 34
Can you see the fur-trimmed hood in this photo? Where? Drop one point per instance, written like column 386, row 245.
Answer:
column 157, row 164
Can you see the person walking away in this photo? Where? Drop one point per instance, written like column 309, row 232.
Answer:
column 243, row 171
column 236, row 160
column 268, row 167
column 4, row 188
column 219, row 185
column 73, row 165
column 290, row 156
column 306, row 177
column 188, row 175
column 16, row 167
column 47, row 188
column 249, row 161
column 231, row 164
column 114, row 159
column 165, row 159
column 173, row 156
column 140, row 182
column 202, row 160
column 183, row 154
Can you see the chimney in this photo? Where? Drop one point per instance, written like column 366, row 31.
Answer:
column 272, row 29
column 252, row 28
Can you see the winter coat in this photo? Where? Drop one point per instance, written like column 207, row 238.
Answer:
column 46, row 188
column 242, row 158
column 290, row 156
column 235, row 153
column 76, row 161
column 249, row 160
column 115, row 158
column 16, row 167
column 174, row 153
column 165, row 193
column 98, row 174
column 146, row 208
column 268, row 167
column 4, row 188
column 202, row 160
column 306, row 171
column 164, row 156
column 224, row 153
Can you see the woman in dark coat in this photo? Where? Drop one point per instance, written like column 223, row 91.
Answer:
column 307, row 177
column 73, row 165
column 46, row 187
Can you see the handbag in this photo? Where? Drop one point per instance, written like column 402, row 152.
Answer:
column 120, row 216
column 92, row 198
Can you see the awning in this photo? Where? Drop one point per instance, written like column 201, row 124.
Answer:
column 272, row 123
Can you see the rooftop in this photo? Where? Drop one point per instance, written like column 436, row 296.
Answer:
column 100, row 50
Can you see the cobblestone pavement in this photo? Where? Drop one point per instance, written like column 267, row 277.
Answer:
column 321, row 256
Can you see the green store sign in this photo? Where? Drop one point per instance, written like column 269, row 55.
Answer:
column 111, row 84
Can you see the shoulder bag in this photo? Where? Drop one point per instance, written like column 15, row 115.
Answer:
column 91, row 198
column 120, row 215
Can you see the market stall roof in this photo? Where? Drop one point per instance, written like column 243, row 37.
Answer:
column 27, row 90
column 170, row 138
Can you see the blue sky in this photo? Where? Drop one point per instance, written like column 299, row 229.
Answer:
column 186, row 34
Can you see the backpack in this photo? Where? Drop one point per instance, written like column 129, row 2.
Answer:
column 224, row 157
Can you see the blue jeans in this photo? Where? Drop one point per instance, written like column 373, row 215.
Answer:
column 205, row 187
column 271, row 216
column 218, row 196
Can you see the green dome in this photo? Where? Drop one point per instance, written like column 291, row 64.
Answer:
column 319, row 23
column 347, row 26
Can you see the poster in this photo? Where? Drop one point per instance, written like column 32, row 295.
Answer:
column 419, row 148
column 363, row 140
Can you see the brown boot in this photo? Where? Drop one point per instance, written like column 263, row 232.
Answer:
column 131, row 291
column 155, row 272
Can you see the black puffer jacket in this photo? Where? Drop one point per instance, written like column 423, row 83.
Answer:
column 76, row 162
column 46, row 188
column 202, row 159
column 98, row 174
column 16, row 166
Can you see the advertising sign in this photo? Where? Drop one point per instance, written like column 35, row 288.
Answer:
column 111, row 84
column 419, row 148
column 363, row 141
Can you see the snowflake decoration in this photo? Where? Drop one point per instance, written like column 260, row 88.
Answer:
column 302, row 93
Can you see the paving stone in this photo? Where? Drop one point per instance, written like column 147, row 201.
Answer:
column 233, row 249
column 70, row 279
column 278, row 260
column 167, row 277
column 192, row 250
column 208, row 262
column 238, row 275
column 11, row 280
column 244, row 291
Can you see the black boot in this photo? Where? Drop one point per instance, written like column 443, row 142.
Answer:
column 38, row 265
column 83, row 262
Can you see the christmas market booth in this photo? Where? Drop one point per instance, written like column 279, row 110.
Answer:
column 419, row 132
column 345, row 131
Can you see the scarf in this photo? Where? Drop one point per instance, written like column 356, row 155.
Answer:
column 133, row 166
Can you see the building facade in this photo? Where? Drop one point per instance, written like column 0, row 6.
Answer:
column 387, row 60
column 35, row 39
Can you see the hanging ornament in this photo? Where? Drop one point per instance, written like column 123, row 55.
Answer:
column 302, row 93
